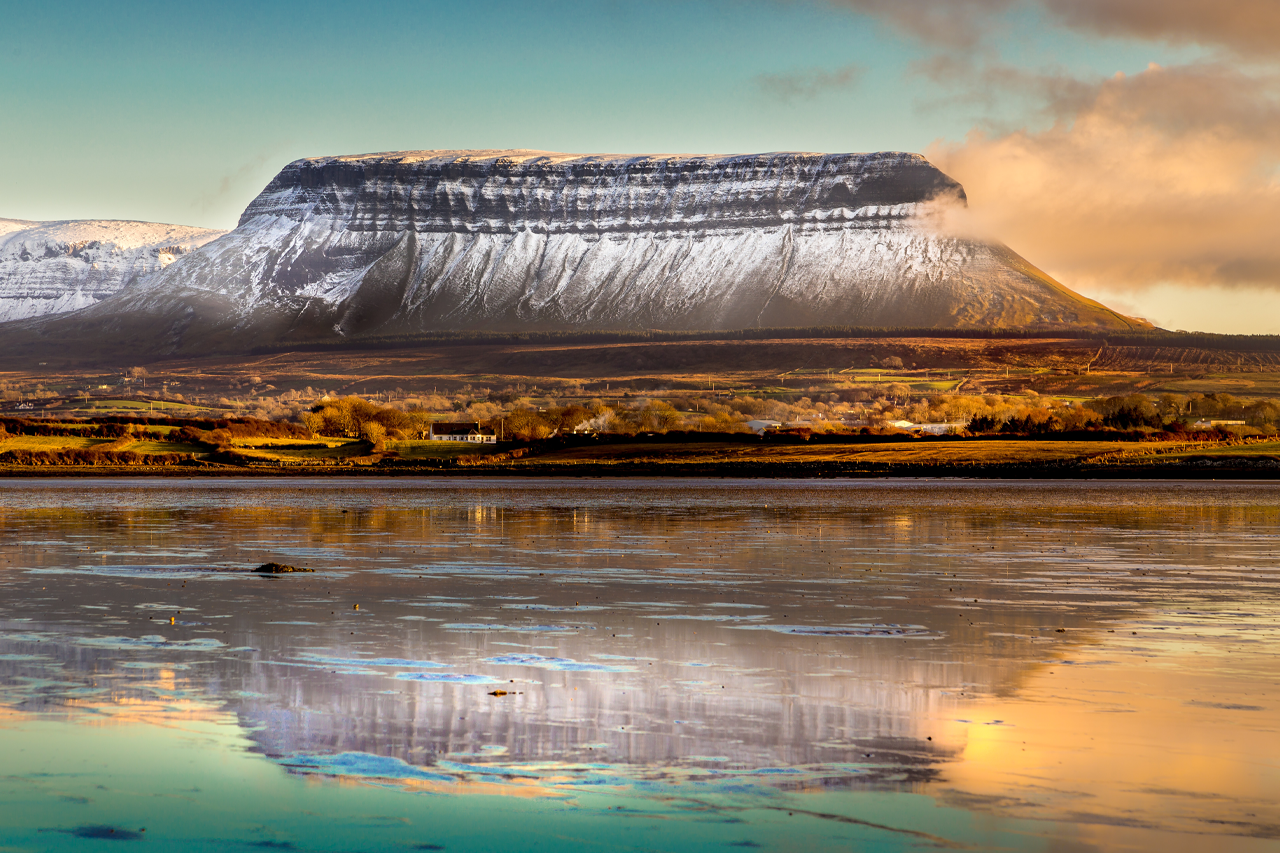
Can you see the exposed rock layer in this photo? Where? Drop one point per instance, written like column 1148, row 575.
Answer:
column 513, row 240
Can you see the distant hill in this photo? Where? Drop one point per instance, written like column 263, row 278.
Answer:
column 404, row 243
column 56, row 267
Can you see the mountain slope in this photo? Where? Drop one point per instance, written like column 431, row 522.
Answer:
column 519, row 240
column 56, row 267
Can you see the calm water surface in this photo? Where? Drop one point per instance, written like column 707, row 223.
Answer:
column 648, row 665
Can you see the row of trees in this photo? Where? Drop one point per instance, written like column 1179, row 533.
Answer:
column 354, row 417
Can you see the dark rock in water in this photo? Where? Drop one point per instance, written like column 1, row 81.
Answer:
column 278, row 569
column 421, row 241
column 113, row 833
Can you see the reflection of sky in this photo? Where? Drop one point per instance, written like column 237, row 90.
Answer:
column 913, row 640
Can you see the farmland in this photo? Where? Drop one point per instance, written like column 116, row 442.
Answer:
column 657, row 455
column 668, row 404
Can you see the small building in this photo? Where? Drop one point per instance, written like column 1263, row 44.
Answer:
column 470, row 432
column 1216, row 422
column 940, row 429
column 760, row 427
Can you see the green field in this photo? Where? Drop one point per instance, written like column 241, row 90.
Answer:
column 1238, row 384
column 305, row 455
column 97, row 407
column 437, row 449
column 1270, row 449
column 270, row 443
column 50, row 442
column 163, row 447
column 906, row 452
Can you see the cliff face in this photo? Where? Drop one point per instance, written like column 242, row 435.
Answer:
column 520, row 240
column 56, row 267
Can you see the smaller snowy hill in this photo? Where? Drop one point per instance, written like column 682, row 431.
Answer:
column 55, row 267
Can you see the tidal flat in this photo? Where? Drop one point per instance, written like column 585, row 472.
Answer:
column 639, row 665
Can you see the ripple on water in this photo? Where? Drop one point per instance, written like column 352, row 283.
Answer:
column 361, row 764
column 151, row 641
column 391, row 662
column 493, row 626
column 555, row 664
column 447, row 677
column 135, row 571
column 914, row 632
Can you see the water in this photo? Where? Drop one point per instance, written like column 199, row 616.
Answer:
column 647, row 665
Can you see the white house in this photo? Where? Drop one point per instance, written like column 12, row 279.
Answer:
column 1216, row 422
column 759, row 427
column 939, row 429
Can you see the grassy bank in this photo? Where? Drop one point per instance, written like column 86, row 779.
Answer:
column 732, row 456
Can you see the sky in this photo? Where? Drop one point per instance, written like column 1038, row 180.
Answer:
column 1130, row 148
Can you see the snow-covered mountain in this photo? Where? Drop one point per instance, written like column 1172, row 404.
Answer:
column 55, row 267
column 520, row 240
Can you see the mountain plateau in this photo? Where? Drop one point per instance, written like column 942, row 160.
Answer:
column 402, row 243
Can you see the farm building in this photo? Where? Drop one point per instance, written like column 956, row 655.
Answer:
column 461, row 432
column 759, row 427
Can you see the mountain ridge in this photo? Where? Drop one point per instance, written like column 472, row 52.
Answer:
column 65, row 265
column 405, row 242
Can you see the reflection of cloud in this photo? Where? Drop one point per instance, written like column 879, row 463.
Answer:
column 10, row 716
column 1164, row 176
column 162, row 701
column 806, row 85
column 1185, row 746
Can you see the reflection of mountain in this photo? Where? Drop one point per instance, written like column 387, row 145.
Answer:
column 665, row 614
column 744, row 710
column 739, row 708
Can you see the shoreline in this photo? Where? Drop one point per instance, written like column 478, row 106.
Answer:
column 1241, row 469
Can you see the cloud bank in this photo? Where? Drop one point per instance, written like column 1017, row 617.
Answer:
column 1247, row 27
column 1165, row 176
column 1141, row 187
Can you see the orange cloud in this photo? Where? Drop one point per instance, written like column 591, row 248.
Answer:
column 1250, row 27
column 1244, row 26
column 958, row 23
column 1168, row 176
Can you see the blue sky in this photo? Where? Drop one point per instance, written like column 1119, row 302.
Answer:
column 182, row 111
